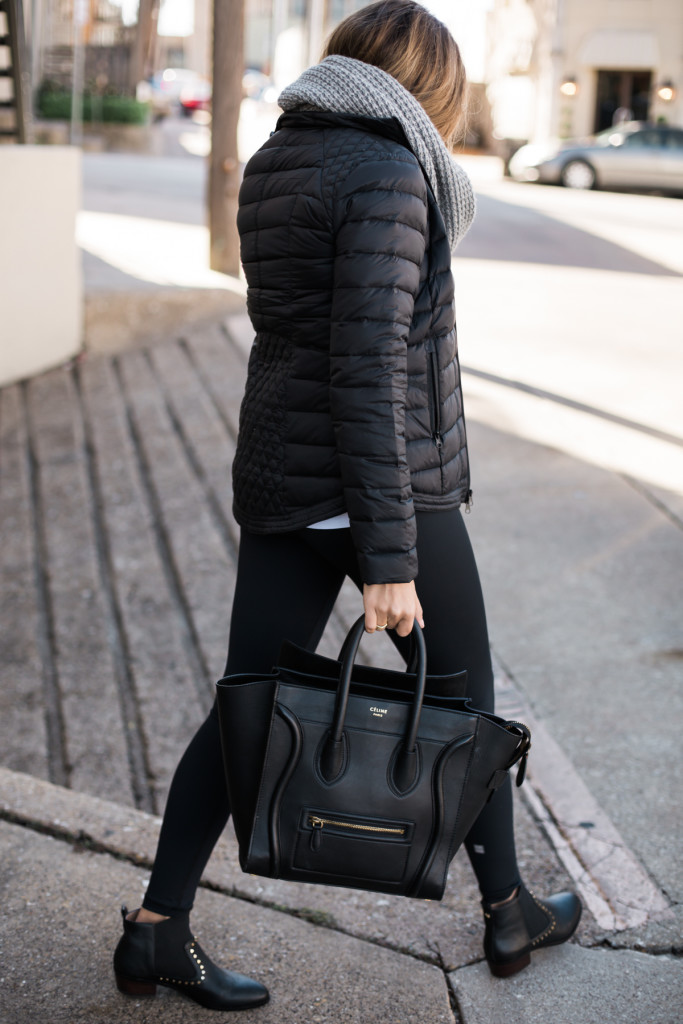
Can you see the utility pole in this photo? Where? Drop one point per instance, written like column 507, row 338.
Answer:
column 224, row 177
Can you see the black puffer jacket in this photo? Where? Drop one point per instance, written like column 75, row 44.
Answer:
column 353, row 395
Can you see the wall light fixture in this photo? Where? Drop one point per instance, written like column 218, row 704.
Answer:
column 666, row 91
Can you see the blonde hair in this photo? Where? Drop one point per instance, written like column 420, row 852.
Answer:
column 402, row 38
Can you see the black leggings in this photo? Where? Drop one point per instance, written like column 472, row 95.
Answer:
column 286, row 588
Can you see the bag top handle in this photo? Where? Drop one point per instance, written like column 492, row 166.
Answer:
column 411, row 666
column 349, row 652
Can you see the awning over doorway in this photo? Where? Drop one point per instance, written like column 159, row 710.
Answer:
column 619, row 48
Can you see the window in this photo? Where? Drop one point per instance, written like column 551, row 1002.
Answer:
column 672, row 140
column 643, row 140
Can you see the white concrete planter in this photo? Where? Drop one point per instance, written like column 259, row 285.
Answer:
column 41, row 310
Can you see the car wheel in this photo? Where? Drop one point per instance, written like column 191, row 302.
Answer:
column 577, row 174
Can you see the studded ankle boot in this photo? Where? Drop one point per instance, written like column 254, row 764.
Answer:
column 515, row 928
column 167, row 954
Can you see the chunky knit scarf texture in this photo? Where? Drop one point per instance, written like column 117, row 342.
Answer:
column 349, row 86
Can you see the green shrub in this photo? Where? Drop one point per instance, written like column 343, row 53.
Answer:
column 55, row 105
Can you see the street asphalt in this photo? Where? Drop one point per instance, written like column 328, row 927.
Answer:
column 116, row 575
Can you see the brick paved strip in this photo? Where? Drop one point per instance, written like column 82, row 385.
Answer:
column 207, row 443
column 222, row 368
column 23, row 629
column 95, row 737
column 202, row 570
column 160, row 671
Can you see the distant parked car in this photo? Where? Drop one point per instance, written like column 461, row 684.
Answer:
column 257, row 86
column 195, row 95
column 631, row 155
column 165, row 89
column 179, row 89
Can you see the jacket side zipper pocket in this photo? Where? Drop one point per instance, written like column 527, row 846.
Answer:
column 433, row 396
column 469, row 497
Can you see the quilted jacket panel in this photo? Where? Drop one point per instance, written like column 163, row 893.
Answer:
column 353, row 398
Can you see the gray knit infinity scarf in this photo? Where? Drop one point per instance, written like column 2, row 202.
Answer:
column 349, row 86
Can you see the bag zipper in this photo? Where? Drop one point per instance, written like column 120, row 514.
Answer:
column 317, row 825
column 315, row 822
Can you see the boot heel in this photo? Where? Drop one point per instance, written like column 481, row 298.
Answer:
column 506, row 970
column 129, row 987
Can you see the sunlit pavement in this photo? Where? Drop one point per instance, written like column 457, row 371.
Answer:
column 577, row 296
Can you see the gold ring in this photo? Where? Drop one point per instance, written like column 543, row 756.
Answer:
column 382, row 627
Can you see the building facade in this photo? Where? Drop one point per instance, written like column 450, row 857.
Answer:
column 568, row 68
column 281, row 37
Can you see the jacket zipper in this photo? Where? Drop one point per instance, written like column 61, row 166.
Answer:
column 317, row 824
column 469, row 498
column 433, row 395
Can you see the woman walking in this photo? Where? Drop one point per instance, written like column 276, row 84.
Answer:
column 352, row 454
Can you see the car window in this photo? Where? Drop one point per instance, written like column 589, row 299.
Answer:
column 672, row 140
column 642, row 140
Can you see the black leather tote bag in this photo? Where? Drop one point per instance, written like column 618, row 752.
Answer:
column 363, row 779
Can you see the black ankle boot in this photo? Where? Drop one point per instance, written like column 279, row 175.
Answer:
column 168, row 954
column 515, row 928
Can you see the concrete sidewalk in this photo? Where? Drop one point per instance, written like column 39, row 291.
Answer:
column 116, row 591
column 68, row 859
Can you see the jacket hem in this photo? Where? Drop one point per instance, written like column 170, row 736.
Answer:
column 309, row 516
column 425, row 503
column 291, row 521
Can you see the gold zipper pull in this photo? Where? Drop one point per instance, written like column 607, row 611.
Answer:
column 317, row 825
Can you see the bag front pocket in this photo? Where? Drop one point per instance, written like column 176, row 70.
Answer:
column 353, row 846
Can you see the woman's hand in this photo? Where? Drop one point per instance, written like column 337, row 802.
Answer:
column 392, row 606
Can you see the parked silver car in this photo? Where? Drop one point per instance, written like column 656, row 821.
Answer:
column 631, row 155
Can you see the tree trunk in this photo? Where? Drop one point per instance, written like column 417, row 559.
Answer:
column 145, row 35
column 317, row 16
column 224, row 178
